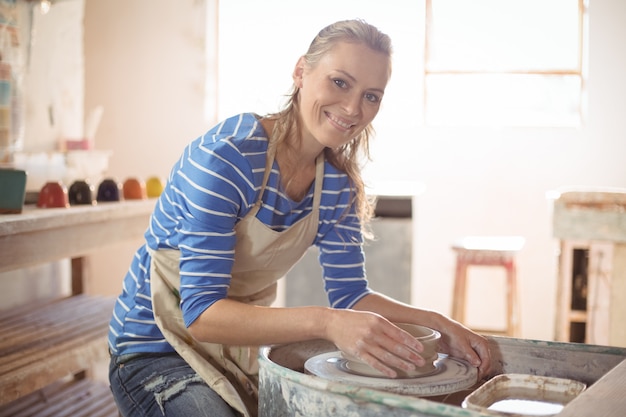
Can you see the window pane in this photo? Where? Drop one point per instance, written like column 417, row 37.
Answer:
column 503, row 100
column 504, row 35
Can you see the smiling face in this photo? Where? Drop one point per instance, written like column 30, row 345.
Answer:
column 341, row 94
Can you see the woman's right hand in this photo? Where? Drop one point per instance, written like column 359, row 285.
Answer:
column 374, row 340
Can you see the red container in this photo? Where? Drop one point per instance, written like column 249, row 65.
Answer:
column 53, row 194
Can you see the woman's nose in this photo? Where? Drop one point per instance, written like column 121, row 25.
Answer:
column 352, row 104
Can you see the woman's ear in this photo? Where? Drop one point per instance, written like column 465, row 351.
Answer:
column 298, row 72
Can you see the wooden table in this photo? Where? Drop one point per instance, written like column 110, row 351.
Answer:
column 40, row 235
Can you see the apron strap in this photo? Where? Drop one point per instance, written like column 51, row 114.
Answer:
column 269, row 164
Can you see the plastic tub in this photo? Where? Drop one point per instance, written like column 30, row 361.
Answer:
column 523, row 395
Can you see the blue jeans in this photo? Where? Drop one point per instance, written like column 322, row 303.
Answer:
column 150, row 385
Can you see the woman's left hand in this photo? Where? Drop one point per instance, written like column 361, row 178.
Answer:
column 460, row 342
column 456, row 339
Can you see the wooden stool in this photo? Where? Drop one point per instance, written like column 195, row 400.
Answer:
column 488, row 251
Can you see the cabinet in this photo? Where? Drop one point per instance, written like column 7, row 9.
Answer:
column 591, row 228
column 48, row 347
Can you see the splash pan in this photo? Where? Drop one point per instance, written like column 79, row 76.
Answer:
column 450, row 375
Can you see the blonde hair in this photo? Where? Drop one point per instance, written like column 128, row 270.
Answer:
column 346, row 157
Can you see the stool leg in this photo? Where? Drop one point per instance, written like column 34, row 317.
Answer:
column 458, row 302
column 513, row 313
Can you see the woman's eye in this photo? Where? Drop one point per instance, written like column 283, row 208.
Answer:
column 340, row 83
column 372, row 98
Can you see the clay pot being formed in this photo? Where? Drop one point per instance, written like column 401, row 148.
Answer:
column 429, row 338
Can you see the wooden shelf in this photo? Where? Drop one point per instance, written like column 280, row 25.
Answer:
column 590, row 224
column 47, row 347
column 578, row 316
column 45, row 342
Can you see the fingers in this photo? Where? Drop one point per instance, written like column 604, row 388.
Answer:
column 461, row 342
column 389, row 361
column 482, row 349
column 376, row 341
column 389, row 349
column 478, row 355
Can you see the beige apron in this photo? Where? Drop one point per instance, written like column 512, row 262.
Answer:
column 262, row 256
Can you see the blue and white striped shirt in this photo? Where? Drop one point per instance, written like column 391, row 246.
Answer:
column 213, row 185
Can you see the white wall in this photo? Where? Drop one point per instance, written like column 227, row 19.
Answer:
column 496, row 182
column 53, row 65
column 51, row 60
column 145, row 65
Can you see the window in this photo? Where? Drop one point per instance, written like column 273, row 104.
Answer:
column 456, row 62
column 505, row 62
column 259, row 42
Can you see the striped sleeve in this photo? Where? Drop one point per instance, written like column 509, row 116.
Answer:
column 210, row 188
column 341, row 244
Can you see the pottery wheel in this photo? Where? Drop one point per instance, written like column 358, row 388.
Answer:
column 451, row 375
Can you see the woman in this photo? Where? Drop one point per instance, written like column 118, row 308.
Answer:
column 241, row 206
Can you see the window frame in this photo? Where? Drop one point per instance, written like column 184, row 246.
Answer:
column 580, row 72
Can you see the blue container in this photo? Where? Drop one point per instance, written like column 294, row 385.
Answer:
column 109, row 190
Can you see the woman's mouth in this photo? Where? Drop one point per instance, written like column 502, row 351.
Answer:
column 341, row 123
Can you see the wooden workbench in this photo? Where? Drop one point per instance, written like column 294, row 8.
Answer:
column 39, row 235
column 50, row 340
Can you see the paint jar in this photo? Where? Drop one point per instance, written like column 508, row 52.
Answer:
column 109, row 190
column 81, row 192
column 134, row 189
column 13, row 186
column 53, row 195
column 154, row 187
